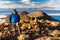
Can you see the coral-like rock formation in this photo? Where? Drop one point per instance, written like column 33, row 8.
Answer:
column 34, row 26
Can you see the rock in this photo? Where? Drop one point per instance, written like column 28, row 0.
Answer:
column 55, row 33
column 36, row 24
column 23, row 15
column 23, row 37
column 0, row 34
column 7, row 18
column 54, row 23
column 36, row 14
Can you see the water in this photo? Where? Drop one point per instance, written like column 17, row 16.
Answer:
column 30, row 10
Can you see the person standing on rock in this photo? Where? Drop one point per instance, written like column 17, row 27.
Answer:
column 14, row 18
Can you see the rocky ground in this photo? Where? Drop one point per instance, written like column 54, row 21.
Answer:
column 34, row 26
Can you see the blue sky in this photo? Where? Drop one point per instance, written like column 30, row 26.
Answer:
column 19, row 1
column 49, row 4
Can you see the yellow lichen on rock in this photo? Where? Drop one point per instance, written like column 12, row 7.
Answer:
column 53, row 23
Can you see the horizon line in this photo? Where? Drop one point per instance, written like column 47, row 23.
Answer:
column 3, row 16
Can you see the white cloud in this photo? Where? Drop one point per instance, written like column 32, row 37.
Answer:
column 10, row 6
column 26, row 1
column 51, row 5
column 29, row 3
column 56, row 1
column 5, row 2
column 28, row 6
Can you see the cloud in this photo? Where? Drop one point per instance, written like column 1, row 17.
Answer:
column 50, row 5
column 29, row 2
column 39, row 7
column 5, row 2
column 16, row 6
column 10, row 6
column 26, row 1
column 56, row 1
column 53, row 3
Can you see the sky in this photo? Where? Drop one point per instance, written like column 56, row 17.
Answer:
column 45, row 4
column 40, row 4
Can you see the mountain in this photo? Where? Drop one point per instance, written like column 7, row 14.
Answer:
column 39, row 15
column 42, row 15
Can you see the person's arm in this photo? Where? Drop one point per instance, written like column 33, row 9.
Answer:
column 10, row 18
column 18, row 18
